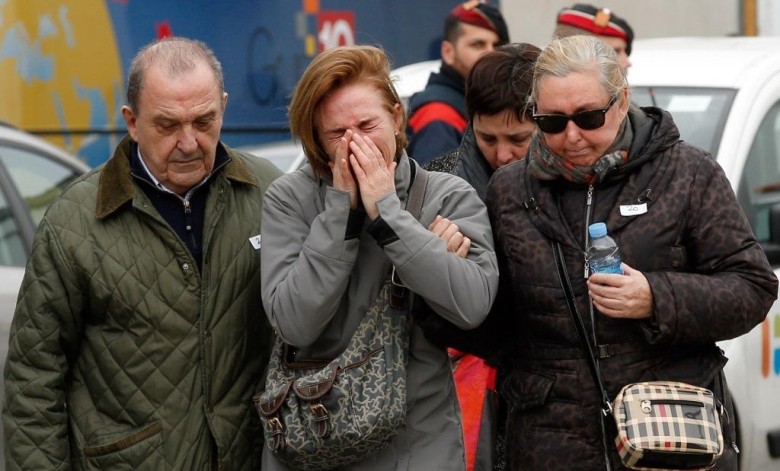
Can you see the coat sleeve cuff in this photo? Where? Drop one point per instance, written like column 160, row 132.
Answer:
column 382, row 232
column 354, row 224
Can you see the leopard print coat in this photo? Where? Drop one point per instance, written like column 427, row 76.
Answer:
column 709, row 278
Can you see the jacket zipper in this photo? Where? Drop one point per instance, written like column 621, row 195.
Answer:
column 648, row 403
column 188, row 220
column 588, row 210
column 588, row 213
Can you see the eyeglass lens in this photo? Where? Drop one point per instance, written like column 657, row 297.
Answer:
column 585, row 120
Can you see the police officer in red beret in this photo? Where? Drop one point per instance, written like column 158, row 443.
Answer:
column 437, row 115
column 583, row 18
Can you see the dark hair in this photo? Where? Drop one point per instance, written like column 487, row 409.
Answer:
column 502, row 80
column 329, row 71
column 452, row 30
column 178, row 55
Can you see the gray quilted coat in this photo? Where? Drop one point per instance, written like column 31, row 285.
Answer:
column 123, row 355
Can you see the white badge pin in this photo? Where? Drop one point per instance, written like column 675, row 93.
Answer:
column 255, row 240
column 633, row 209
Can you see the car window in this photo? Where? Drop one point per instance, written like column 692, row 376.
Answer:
column 11, row 246
column 38, row 178
column 759, row 187
column 699, row 113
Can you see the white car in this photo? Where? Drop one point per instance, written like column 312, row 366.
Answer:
column 410, row 79
column 724, row 94
column 32, row 174
column 286, row 155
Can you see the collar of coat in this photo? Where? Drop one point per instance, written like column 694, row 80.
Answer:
column 116, row 185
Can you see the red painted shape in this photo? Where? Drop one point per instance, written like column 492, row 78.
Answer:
column 164, row 30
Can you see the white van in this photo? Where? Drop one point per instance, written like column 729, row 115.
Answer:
column 724, row 94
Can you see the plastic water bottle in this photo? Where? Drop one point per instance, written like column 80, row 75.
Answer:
column 603, row 253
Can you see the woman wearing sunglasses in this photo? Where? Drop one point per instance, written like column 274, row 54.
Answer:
column 694, row 273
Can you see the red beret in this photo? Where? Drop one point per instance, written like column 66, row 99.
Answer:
column 597, row 21
column 485, row 16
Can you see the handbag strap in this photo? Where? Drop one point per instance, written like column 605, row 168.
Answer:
column 575, row 315
column 414, row 203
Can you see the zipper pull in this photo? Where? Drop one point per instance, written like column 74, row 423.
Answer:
column 735, row 447
column 588, row 204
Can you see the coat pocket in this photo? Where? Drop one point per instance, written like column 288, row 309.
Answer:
column 133, row 449
column 524, row 390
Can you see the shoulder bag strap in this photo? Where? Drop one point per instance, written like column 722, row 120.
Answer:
column 575, row 315
column 417, row 191
column 414, row 204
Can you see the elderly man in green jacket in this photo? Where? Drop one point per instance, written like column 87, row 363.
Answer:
column 138, row 338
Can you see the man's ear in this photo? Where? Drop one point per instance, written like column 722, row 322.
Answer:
column 447, row 52
column 130, row 122
column 224, row 101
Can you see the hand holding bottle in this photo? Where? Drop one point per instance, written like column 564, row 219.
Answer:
column 616, row 289
column 626, row 296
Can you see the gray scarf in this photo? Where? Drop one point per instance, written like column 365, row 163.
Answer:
column 546, row 165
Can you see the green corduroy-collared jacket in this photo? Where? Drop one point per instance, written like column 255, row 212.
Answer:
column 123, row 354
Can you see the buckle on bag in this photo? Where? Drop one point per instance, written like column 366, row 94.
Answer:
column 276, row 432
column 321, row 419
column 397, row 292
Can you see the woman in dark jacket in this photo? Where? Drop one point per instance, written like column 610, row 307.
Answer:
column 500, row 125
column 499, row 132
column 694, row 273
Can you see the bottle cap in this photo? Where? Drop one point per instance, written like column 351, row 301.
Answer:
column 597, row 229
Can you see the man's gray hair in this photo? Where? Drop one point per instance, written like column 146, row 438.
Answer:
column 178, row 55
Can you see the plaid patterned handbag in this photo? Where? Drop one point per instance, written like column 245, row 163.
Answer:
column 667, row 425
column 661, row 425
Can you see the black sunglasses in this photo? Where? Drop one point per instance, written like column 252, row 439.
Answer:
column 585, row 120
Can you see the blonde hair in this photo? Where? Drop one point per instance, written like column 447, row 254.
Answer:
column 329, row 71
column 581, row 53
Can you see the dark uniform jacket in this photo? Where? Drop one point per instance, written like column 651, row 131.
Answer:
column 437, row 116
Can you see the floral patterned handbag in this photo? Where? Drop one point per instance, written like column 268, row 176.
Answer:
column 328, row 414
column 336, row 413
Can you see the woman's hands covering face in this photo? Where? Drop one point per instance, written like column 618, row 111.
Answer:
column 361, row 170
column 343, row 179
